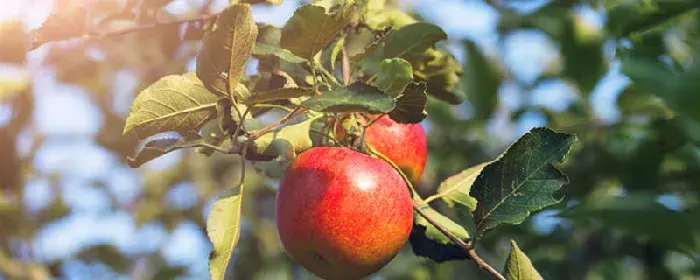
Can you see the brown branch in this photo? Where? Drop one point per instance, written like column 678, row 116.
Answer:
column 102, row 35
column 346, row 67
column 459, row 242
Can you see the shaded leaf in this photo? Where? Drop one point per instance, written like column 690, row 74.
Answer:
column 425, row 247
column 174, row 103
column 455, row 189
column 428, row 241
column 410, row 106
column 414, row 38
column 675, row 229
column 313, row 27
column 262, row 49
column 482, row 81
column 519, row 266
column 393, row 76
column 357, row 97
column 223, row 229
column 14, row 42
column 626, row 19
column 521, row 180
column 226, row 48
column 278, row 94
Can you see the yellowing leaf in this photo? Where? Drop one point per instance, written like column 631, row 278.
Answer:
column 174, row 103
column 455, row 190
column 519, row 266
column 226, row 48
column 313, row 27
column 223, row 229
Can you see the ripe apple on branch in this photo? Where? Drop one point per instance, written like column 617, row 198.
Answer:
column 351, row 81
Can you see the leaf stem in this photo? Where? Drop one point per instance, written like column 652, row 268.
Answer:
column 291, row 115
column 346, row 67
column 101, row 35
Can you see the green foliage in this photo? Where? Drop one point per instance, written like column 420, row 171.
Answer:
column 178, row 103
column 519, row 266
column 410, row 105
column 226, row 48
column 262, row 49
column 482, row 79
column 455, row 189
column 355, row 97
column 312, row 27
column 412, row 39
column 522, row 180
column 394, row 74
column 223, row 229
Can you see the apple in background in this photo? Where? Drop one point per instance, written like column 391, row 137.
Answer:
column 342, row 214
column 403, row 144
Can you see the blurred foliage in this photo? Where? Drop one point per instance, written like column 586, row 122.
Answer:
column 610, row 225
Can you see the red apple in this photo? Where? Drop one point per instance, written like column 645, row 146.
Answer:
column 342, row 214
column 403, row 144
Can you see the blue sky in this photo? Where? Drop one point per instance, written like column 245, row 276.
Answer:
column 69, row 119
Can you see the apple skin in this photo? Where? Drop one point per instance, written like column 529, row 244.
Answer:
column 342, row 214
column 403, row 144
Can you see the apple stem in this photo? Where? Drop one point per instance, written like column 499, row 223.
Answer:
column 464, row 245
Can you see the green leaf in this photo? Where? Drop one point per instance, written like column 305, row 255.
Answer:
column 226, row 48
column 313, row 27
column 675, row 229
column 519, row 266
column 158, row 147
column 357, row 97
column 279, row 94
column 626, row 19
column 223, row 229
column 14, row 42
column 262, row 49
column 394, row 74
column 174, row 103
column 289, row 141
column 414, row 38
column 272, row 168
column 428, row 241
column 482, row 81
column 410, row 106
column 455, row 189
column 521, row 180
column 335, row 51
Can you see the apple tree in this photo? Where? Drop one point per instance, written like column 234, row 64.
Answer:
column 330, row 107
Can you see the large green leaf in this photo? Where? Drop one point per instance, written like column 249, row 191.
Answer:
column 226, row 48
column 393, row 76
column 482, row 81
column 521, row 180
column 414, row 38
column 519, row 266
column 313, row 27
column 158, row 147
column 223, row 229
column 357, row 97
column 288, row 141
column 410, row 106
column 455, row 189
column 262, row 49
column 174, row 103
column 630, row 17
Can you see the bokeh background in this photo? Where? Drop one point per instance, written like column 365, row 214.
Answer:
column 71, row 208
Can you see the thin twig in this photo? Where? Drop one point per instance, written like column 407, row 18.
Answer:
column 101, row 35
column 484, row 265
column 291, row 115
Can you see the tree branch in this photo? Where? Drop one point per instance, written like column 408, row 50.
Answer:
column 291, row 115
column 102, row 35
column 464, row 245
